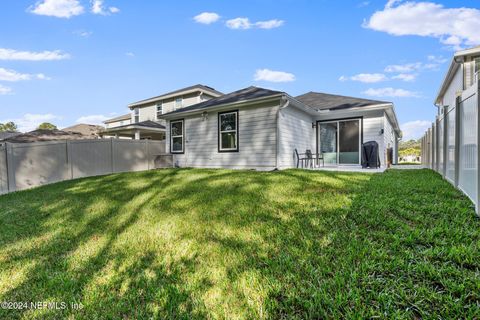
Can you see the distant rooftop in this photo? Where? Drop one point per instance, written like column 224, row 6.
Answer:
column 191, row 89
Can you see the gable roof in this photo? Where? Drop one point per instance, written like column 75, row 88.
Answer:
column 127, row 116
column 245, row 94
column 187, row 90
column 325, row 101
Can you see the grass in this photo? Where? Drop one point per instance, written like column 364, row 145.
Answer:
column 220, row 244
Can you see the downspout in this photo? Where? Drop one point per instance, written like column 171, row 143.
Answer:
column 286, row 103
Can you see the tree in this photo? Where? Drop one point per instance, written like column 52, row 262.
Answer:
column 8, row 126
column 47, row 126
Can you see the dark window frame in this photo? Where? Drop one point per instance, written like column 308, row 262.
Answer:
column 237, row 132
column 183, row 136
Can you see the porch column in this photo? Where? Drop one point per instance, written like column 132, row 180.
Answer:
column 137, row 134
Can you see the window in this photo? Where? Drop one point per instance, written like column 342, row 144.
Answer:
column 137, row 115
column 228, row 131
column 477, row 64
column 176, row 136
column 178, row 103
column 159, row 109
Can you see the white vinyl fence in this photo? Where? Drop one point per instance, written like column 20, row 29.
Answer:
column 26, row 165
column 450, row 146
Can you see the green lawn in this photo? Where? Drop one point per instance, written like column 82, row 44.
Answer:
column 188, row 243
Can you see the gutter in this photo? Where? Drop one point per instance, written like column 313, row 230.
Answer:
column 277, row 148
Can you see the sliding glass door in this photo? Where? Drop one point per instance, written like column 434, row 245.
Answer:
column 339, row 141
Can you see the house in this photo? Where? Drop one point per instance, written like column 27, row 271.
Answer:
column 259, row 128
column 144, row 122
column 462, row 74
column 87, row 130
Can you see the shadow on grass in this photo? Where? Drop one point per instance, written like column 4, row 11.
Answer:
column 189, row 243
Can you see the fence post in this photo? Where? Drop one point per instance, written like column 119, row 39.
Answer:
column 457, row 141
column 445, row 141
column 12, row 185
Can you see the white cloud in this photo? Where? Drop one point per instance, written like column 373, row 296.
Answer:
column 30, row 121
column 10, row 54
column 99, row 8
column 408, row 67
column 93, row 119
column 436, row 59
column 245, row 23
column 239, row 23
column 407, row 77
column 83, row 33
column 390, row 92
column 269, row 24
column 414, row 129
column 5, row 90
column 273, row 76
column 366, row 77
column 57, row 8
column 130, row 54
column 206, row 17
column 12, row 75
column 456, row 27
column 363, row 4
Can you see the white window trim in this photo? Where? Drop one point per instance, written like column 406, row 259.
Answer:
column 181, row 103
column 220, row 148
column 156, row 109
column 177, row 136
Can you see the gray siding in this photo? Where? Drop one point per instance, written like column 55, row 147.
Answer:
column 295, row 132
column 257, row 140
column 3, row 169
column 389, row 137
column 455, row 86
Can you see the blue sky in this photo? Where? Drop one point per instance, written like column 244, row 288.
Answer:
column 69, row 61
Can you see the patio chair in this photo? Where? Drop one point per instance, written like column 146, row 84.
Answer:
column 300, row 157
column 309, row 158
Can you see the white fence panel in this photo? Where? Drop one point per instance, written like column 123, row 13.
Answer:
column 90, row 157
column 450, row 143
column 468, row 147
column 130, row 155
column 29, row 165
column 39, row 163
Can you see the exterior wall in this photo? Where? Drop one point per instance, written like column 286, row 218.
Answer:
column 256, row 139
column 149, row 111
column 455, row 86
column 389, row 137
column 294, row 132
column 117, row 123
column 373, row 123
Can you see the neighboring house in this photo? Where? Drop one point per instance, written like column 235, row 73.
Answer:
column 8, row 134
column 118, row 121
column 145, row 121
column 47, row 135
column 88, row 130
column 462, row 74
column 260, row 129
